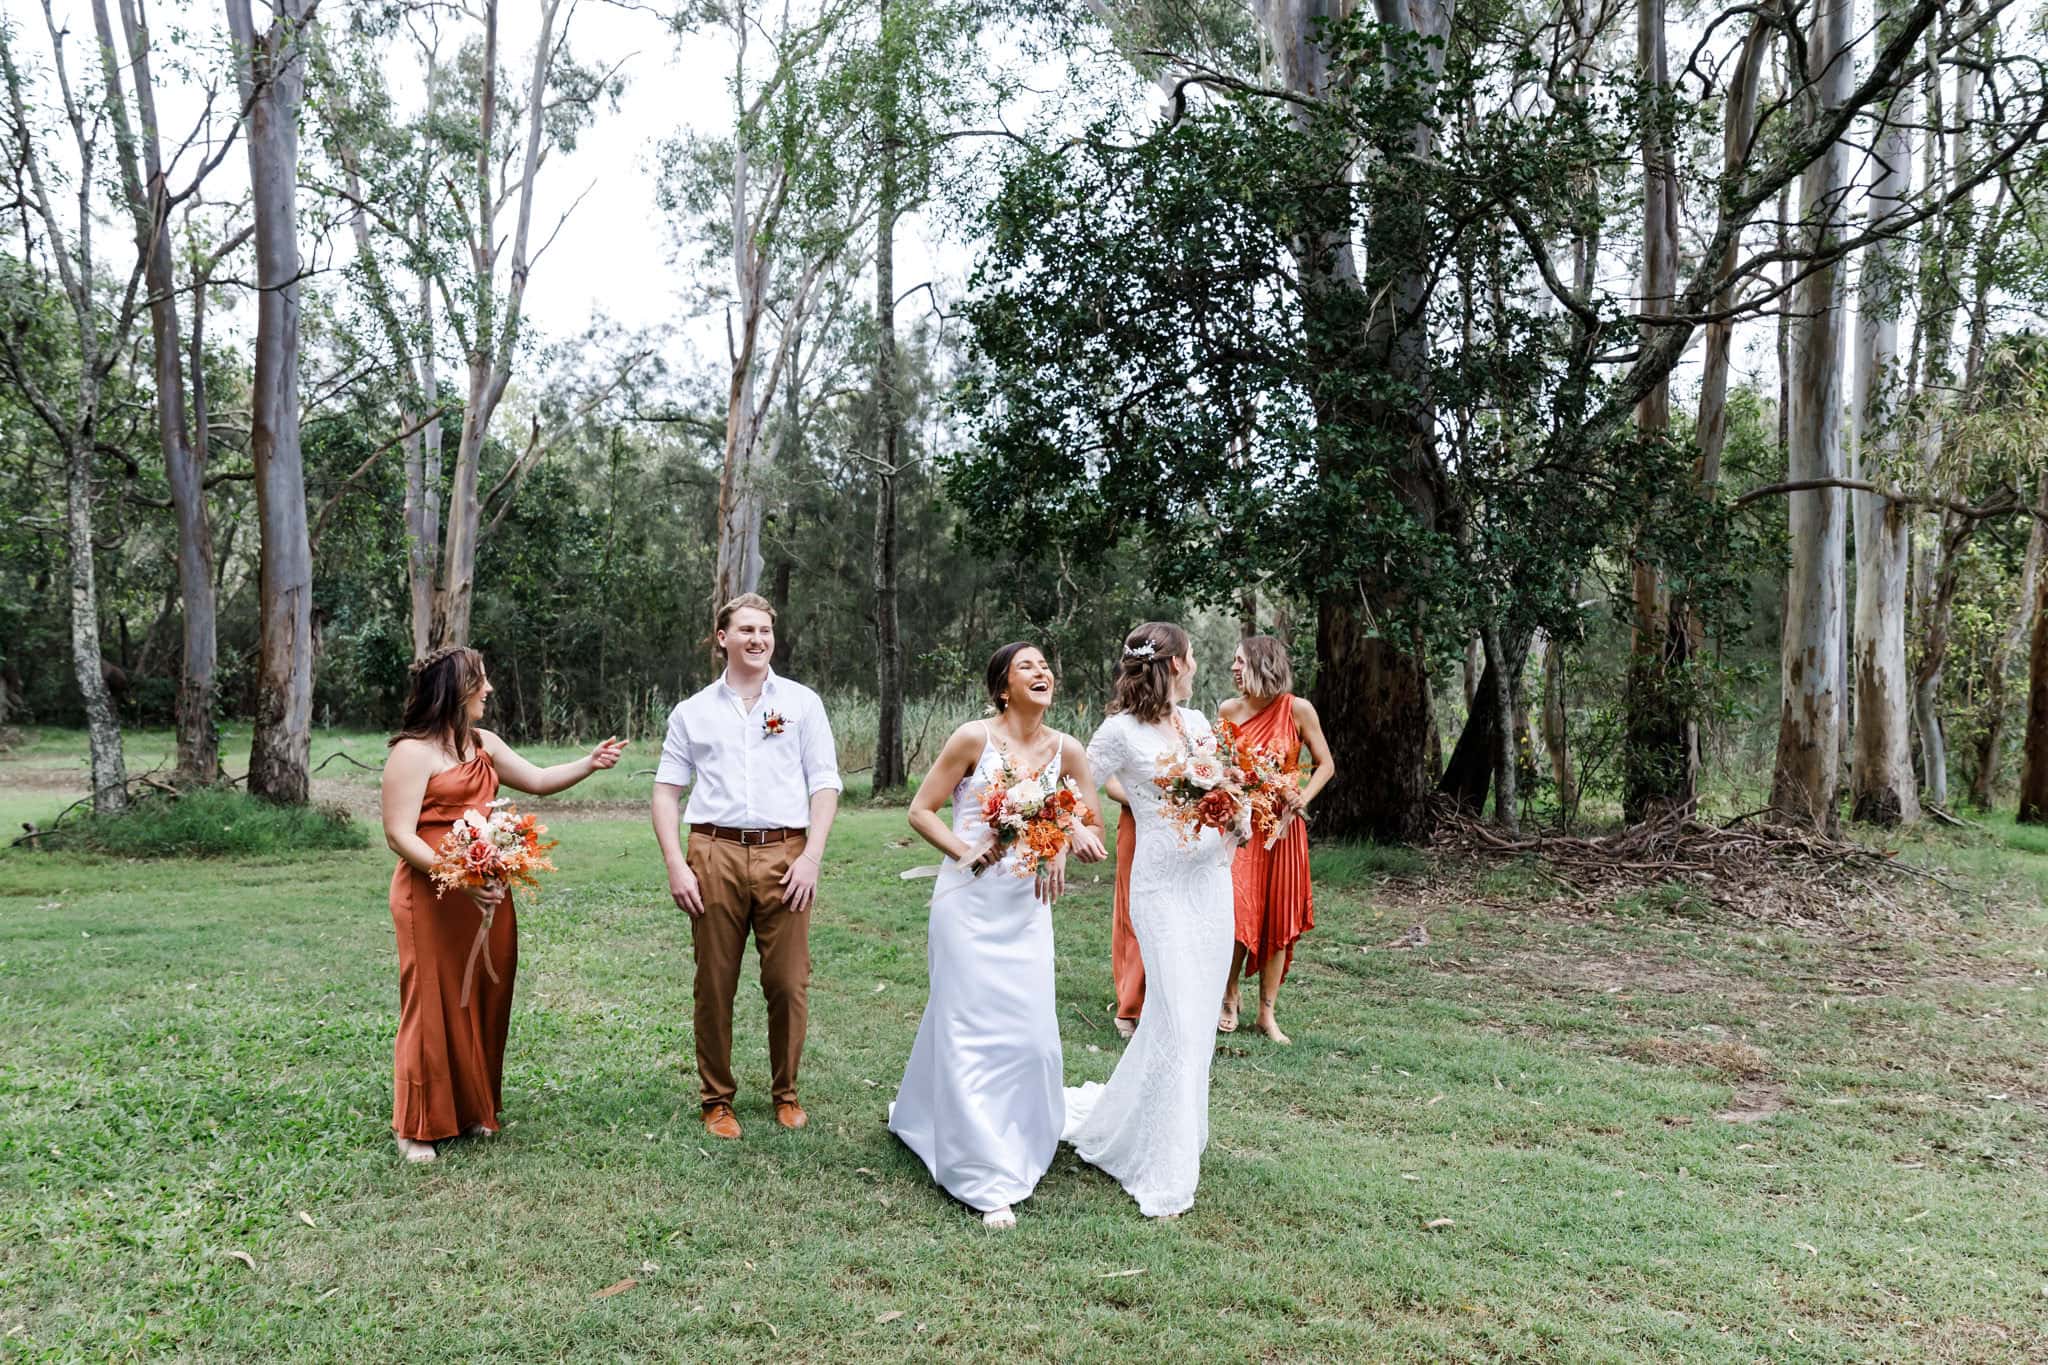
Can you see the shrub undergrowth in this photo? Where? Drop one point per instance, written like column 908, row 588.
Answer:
column 216, row 823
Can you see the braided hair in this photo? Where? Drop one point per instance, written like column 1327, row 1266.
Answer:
column 1144, row 676
column 436, row 702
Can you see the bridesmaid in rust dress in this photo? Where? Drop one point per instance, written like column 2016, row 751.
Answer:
column 1275, row 903
column 451, row 1051
column 1126, row 965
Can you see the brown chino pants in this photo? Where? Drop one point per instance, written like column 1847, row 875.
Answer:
column 742, row 889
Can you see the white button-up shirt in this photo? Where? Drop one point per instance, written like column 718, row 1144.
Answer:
column 740, row 774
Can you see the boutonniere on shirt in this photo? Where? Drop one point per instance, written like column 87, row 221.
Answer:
column 772, row 724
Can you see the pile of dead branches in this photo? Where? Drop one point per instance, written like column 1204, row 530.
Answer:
column 1748, row 867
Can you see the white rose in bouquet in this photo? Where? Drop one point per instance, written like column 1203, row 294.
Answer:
column 1026, row 797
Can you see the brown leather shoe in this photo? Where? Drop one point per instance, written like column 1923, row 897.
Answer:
column 719, row 1122
column 791, row 1115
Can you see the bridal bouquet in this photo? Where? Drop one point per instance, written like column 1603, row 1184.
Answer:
column 498, row 847
column 493, row 847
column 1031, row 813
column 1220, row 782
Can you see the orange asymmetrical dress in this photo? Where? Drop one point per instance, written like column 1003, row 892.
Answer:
column 1126, row 965
column 1275, row 903
column 450, row 1055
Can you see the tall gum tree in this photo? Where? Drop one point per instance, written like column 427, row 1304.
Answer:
column 271, row 71
column 1808, row 762
column 1882, row 789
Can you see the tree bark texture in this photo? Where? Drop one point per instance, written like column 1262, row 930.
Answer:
column 1807, row 769
column 889, row 764
column 148, row 202
column 272, row 72
column 1882, row 789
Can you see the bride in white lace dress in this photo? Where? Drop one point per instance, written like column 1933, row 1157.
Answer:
column 1147, row 1127
column 980, row 1102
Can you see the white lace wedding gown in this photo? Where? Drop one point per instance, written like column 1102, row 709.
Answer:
column 1147, row 1127
column 980, row 1102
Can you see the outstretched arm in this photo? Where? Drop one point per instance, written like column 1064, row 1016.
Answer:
column 516, row 772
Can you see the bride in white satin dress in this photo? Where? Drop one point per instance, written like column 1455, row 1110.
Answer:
column 981, row 1103
column 1147, row 1127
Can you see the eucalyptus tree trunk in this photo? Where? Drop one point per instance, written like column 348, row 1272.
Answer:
column 148, row 202
column 1738, row 129
column 1810, row 716
column 423, row 483
column 1991, row 741
column 1882, row 789
column 741, row 506
column 1555, row 739
column 418, row 397
column 1660, row 767
column 73, row 421
column 493, row 327
column 271, row 69
column 1372, row 684
column 1940, row 301
column 102, row 724
column 889, row 766
column 2033, row 809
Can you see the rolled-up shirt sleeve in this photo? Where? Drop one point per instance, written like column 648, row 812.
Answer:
column 820, row 753
column 675, row 767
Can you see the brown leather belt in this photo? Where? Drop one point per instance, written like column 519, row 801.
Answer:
column 752, row 838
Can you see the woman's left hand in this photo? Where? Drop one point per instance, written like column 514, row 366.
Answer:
column 606, row 754
column 1086, row 844
column 1052, row 879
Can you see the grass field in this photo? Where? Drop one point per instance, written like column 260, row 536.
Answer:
column 1657, row 1132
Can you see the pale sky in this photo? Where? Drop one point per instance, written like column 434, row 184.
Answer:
column 613, row 256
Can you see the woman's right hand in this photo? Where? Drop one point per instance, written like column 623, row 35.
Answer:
column 981, row 857
column 489, row 896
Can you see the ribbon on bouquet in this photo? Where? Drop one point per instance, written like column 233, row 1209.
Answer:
column 479, row 949
column 910, row 874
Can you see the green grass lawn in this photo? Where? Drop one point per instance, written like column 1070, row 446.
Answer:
column 194, row 1159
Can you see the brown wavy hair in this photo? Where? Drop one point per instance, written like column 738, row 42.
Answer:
column 442, row 682
column 1144, row 682
column 1267, row 669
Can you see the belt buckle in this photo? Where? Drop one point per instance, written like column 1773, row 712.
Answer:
column 753, row 838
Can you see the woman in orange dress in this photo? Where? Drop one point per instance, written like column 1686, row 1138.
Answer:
column 1275, row 903
column 451, row 1043
column 1126, row 966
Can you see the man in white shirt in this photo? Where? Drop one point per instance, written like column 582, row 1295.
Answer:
column 756, row 752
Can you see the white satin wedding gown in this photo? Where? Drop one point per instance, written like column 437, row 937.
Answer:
column 1147, row 1127
column 980, row 1102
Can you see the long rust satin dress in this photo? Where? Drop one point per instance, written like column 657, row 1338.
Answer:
column 450, row 1056
column 1126, row 966
column 1275, row 902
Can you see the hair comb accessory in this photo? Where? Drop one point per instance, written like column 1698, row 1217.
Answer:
column 1144, row 651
